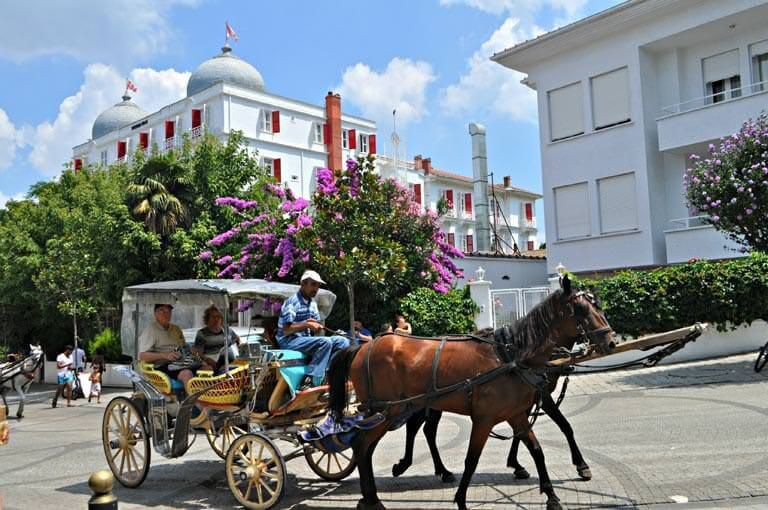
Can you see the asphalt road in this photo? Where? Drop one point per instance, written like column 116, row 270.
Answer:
column 703, row 445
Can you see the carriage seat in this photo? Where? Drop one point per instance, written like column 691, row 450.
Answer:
column 229, row 386
column 292, row 366
column 160, row 380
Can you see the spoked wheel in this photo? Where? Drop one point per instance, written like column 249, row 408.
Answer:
column 255, row 471
column 762, row 358
column 332, row 467
column 220, row 440
column 126, row 443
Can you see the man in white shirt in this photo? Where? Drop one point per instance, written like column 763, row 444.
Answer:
column 64, row 366
column 160, row 343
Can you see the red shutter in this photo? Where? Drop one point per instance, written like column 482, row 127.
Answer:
column 449, row 198
column 470, row 245
column 169, row 129
column 197, row 118
column 275, row 121
column 529, row 212
column 326, row 134
column 371, row 144
column 452, row 239
column 121, row 149
column 417, row 193
column 352, row 139
column 530, row 245
column 277, row 170
column 78, row 164
column 468, row 202
column 143, row 140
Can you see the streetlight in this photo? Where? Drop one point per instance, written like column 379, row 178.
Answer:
column 480, row 273
column 560, row 269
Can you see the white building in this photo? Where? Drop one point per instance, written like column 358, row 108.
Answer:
column 293, row 140
column 624, row 97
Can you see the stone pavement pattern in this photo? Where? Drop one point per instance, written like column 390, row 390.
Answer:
column 694, row 431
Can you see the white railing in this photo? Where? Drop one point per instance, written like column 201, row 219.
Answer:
column 386, row 160
column 725, row 96
column 690, row 222
column 170, row 142
column 467, row 215
column 197, row 132
column 450, row 213
column 510, row 305
column 122, row 159
column 529, row 223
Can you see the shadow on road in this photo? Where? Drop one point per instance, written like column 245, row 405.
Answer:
column 727, row 372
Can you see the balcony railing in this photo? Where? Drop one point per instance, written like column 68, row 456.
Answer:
column 723, row 97
column 170, row 142
column 122, row 159
column 689, row 222
column 467, row 215
column 526, row 223
column 197, row 132
column 450, row 213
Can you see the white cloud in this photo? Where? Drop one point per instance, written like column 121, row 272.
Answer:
column 4, row 199
column 8, row 140
column 521, row 8
column 102, row 87
column 401, row 86
column 89, row 30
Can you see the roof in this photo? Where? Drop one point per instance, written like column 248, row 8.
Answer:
column 224, row 67
column 121, row 114
column 450, row 175
column 530, row 255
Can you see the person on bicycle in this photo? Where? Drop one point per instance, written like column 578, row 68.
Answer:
column 160, row 343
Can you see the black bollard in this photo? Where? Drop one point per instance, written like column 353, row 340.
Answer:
column 101, row 483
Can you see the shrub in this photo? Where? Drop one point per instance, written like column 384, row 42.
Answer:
column 726, row 293
column 433, row 314
column 107, row 343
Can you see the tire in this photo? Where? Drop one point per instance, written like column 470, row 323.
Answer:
column 255, row 467
column 762, row 358
column 126, row 442
column 220, row 440
column 332, row 467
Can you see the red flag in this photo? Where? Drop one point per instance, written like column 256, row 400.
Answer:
column 130, row 86
column 230, row 31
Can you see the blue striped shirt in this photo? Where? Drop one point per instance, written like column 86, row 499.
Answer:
column 296, row 309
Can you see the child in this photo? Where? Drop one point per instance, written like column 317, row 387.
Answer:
column 95, row 383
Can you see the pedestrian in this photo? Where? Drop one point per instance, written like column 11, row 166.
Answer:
column 79, row 359
column 95, row 379
column 64, row 364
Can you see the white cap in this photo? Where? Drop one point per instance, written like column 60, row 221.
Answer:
column 311, row 275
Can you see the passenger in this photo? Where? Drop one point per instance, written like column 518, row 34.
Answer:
column 161, row 342
column 210, row 339
column 360, row 333
column 400, row 325
column 298, row 326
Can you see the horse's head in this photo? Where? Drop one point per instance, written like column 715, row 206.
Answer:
column 583, row 320
column 32, row 361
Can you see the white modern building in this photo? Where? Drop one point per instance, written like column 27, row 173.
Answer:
column 293, row 139
column 624, row 98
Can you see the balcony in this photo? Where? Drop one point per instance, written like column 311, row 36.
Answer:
column 464, row 215
column 170, row 143
column 197, row 132
column 122, row 159
column 693, row 237
column 528, row 224
column 450, row 213
column 702, row 119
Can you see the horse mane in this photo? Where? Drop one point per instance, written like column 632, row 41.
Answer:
column 530, row 334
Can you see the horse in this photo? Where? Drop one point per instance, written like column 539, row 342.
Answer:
column 489, row 381
column 18, row 376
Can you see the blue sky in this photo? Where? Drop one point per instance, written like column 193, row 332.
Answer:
column 64, row 62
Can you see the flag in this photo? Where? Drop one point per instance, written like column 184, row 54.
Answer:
column 129, row 85
column 230, row 31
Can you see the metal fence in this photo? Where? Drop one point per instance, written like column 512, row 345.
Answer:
column 510, row 305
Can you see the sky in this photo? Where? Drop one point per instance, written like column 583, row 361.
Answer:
column 63, row 63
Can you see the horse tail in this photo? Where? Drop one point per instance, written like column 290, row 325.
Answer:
column 338, row 373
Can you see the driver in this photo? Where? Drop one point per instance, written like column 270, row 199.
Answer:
column 161, row 342
column 298, row 326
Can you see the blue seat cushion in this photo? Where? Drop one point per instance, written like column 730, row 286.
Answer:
column 176, row 384
column 294, row 374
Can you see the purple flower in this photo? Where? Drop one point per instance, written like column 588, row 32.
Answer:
column 205, row 255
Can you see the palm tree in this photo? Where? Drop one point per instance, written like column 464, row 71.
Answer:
column 161, row 194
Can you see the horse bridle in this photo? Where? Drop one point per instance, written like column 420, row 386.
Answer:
column 582, row 323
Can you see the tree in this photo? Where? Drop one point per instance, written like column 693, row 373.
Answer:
column 731, row 185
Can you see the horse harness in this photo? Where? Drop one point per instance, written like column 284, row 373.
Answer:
column 9, row 373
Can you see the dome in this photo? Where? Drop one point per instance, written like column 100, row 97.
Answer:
column 227, row 68
column 119, row 115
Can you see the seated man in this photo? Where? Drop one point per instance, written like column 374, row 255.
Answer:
column 299, row 321
column 161, row 342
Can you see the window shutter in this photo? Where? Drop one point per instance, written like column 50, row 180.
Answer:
column 121, row 148
column 277, row 170
column 449, row 198
column 352, row 139
column 197, row 118
column 572, row 211
column 275, row 121
column 610, row 98
column 326, row 134
column 566, row 114
column 143, row 140
column 78, row 164
column 371, row 144
column 169, row 132
column 529, row 212
column 417, row 193
column 722, row 66
column 470, row 244
column 452, row 239
column 468, row 203
column 530, row 245
column 618, row 209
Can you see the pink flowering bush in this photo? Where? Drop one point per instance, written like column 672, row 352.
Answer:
column 731, row 185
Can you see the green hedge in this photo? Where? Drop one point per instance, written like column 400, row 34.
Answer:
column 642, row 302
column 431, row 313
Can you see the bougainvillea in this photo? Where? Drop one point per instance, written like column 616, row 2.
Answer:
column 730, row 185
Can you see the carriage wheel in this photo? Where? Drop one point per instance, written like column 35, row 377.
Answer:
column 126, row 443
column 220, row 440
column 332, row 467
column 255, row 471
column 762, row 358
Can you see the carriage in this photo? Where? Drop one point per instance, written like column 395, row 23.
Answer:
column 242, row 412
column 17, row 374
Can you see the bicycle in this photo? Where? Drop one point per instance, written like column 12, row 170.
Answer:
column 762, row 358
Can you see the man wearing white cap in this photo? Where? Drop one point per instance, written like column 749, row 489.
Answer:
column 300, row 321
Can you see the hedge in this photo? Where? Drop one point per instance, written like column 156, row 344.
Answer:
column 725, row 293
column 434, row 314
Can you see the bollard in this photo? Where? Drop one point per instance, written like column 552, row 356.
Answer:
column 101, row 483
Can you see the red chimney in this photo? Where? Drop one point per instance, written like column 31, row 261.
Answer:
column 507, row 182
column 417, row 162
column 333, row 120
column 426, row 164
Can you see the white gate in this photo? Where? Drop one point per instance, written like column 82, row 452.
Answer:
column 510, row 305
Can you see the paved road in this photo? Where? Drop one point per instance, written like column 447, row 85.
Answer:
column 692, row 433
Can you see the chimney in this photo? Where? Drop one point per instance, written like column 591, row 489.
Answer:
column 333, row 119
column 480, row 194
column 426, row 164
column 507, row 181
column 417, row 162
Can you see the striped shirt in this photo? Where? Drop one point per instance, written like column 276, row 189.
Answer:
column 296, row 309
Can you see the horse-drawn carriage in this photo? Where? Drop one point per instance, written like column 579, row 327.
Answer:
column 242, row 411
column 18, row 373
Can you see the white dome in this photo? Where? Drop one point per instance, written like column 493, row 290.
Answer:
column 117, row 116
column 225, row 68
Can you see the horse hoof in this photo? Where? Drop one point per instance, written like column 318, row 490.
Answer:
column 553, row 504
column 399, row 468
column 522, row 474
column 362, row 505
column 584, row 472
column 447, row 477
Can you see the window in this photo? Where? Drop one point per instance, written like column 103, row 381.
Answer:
column 268, row 164
column 610, row 98
column 415, row 189
column 143, row 141
column 266, row 121
column 761, row 70
column 529, row 211
column 572, row 211
column 721, row 76
column 618, row 205
column 468, row 204
column 469, row 245
column 122, row 149
column 352, row 139
column 169, row 129
column 317, row 133
column 78, row 164
column 452, row 239
column 103, row 159
column 362, row 142
column 344, row 139
column 197, row 118
column 566, row 114
column 448, row 195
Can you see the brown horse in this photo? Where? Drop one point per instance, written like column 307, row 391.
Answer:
column 395, row 376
